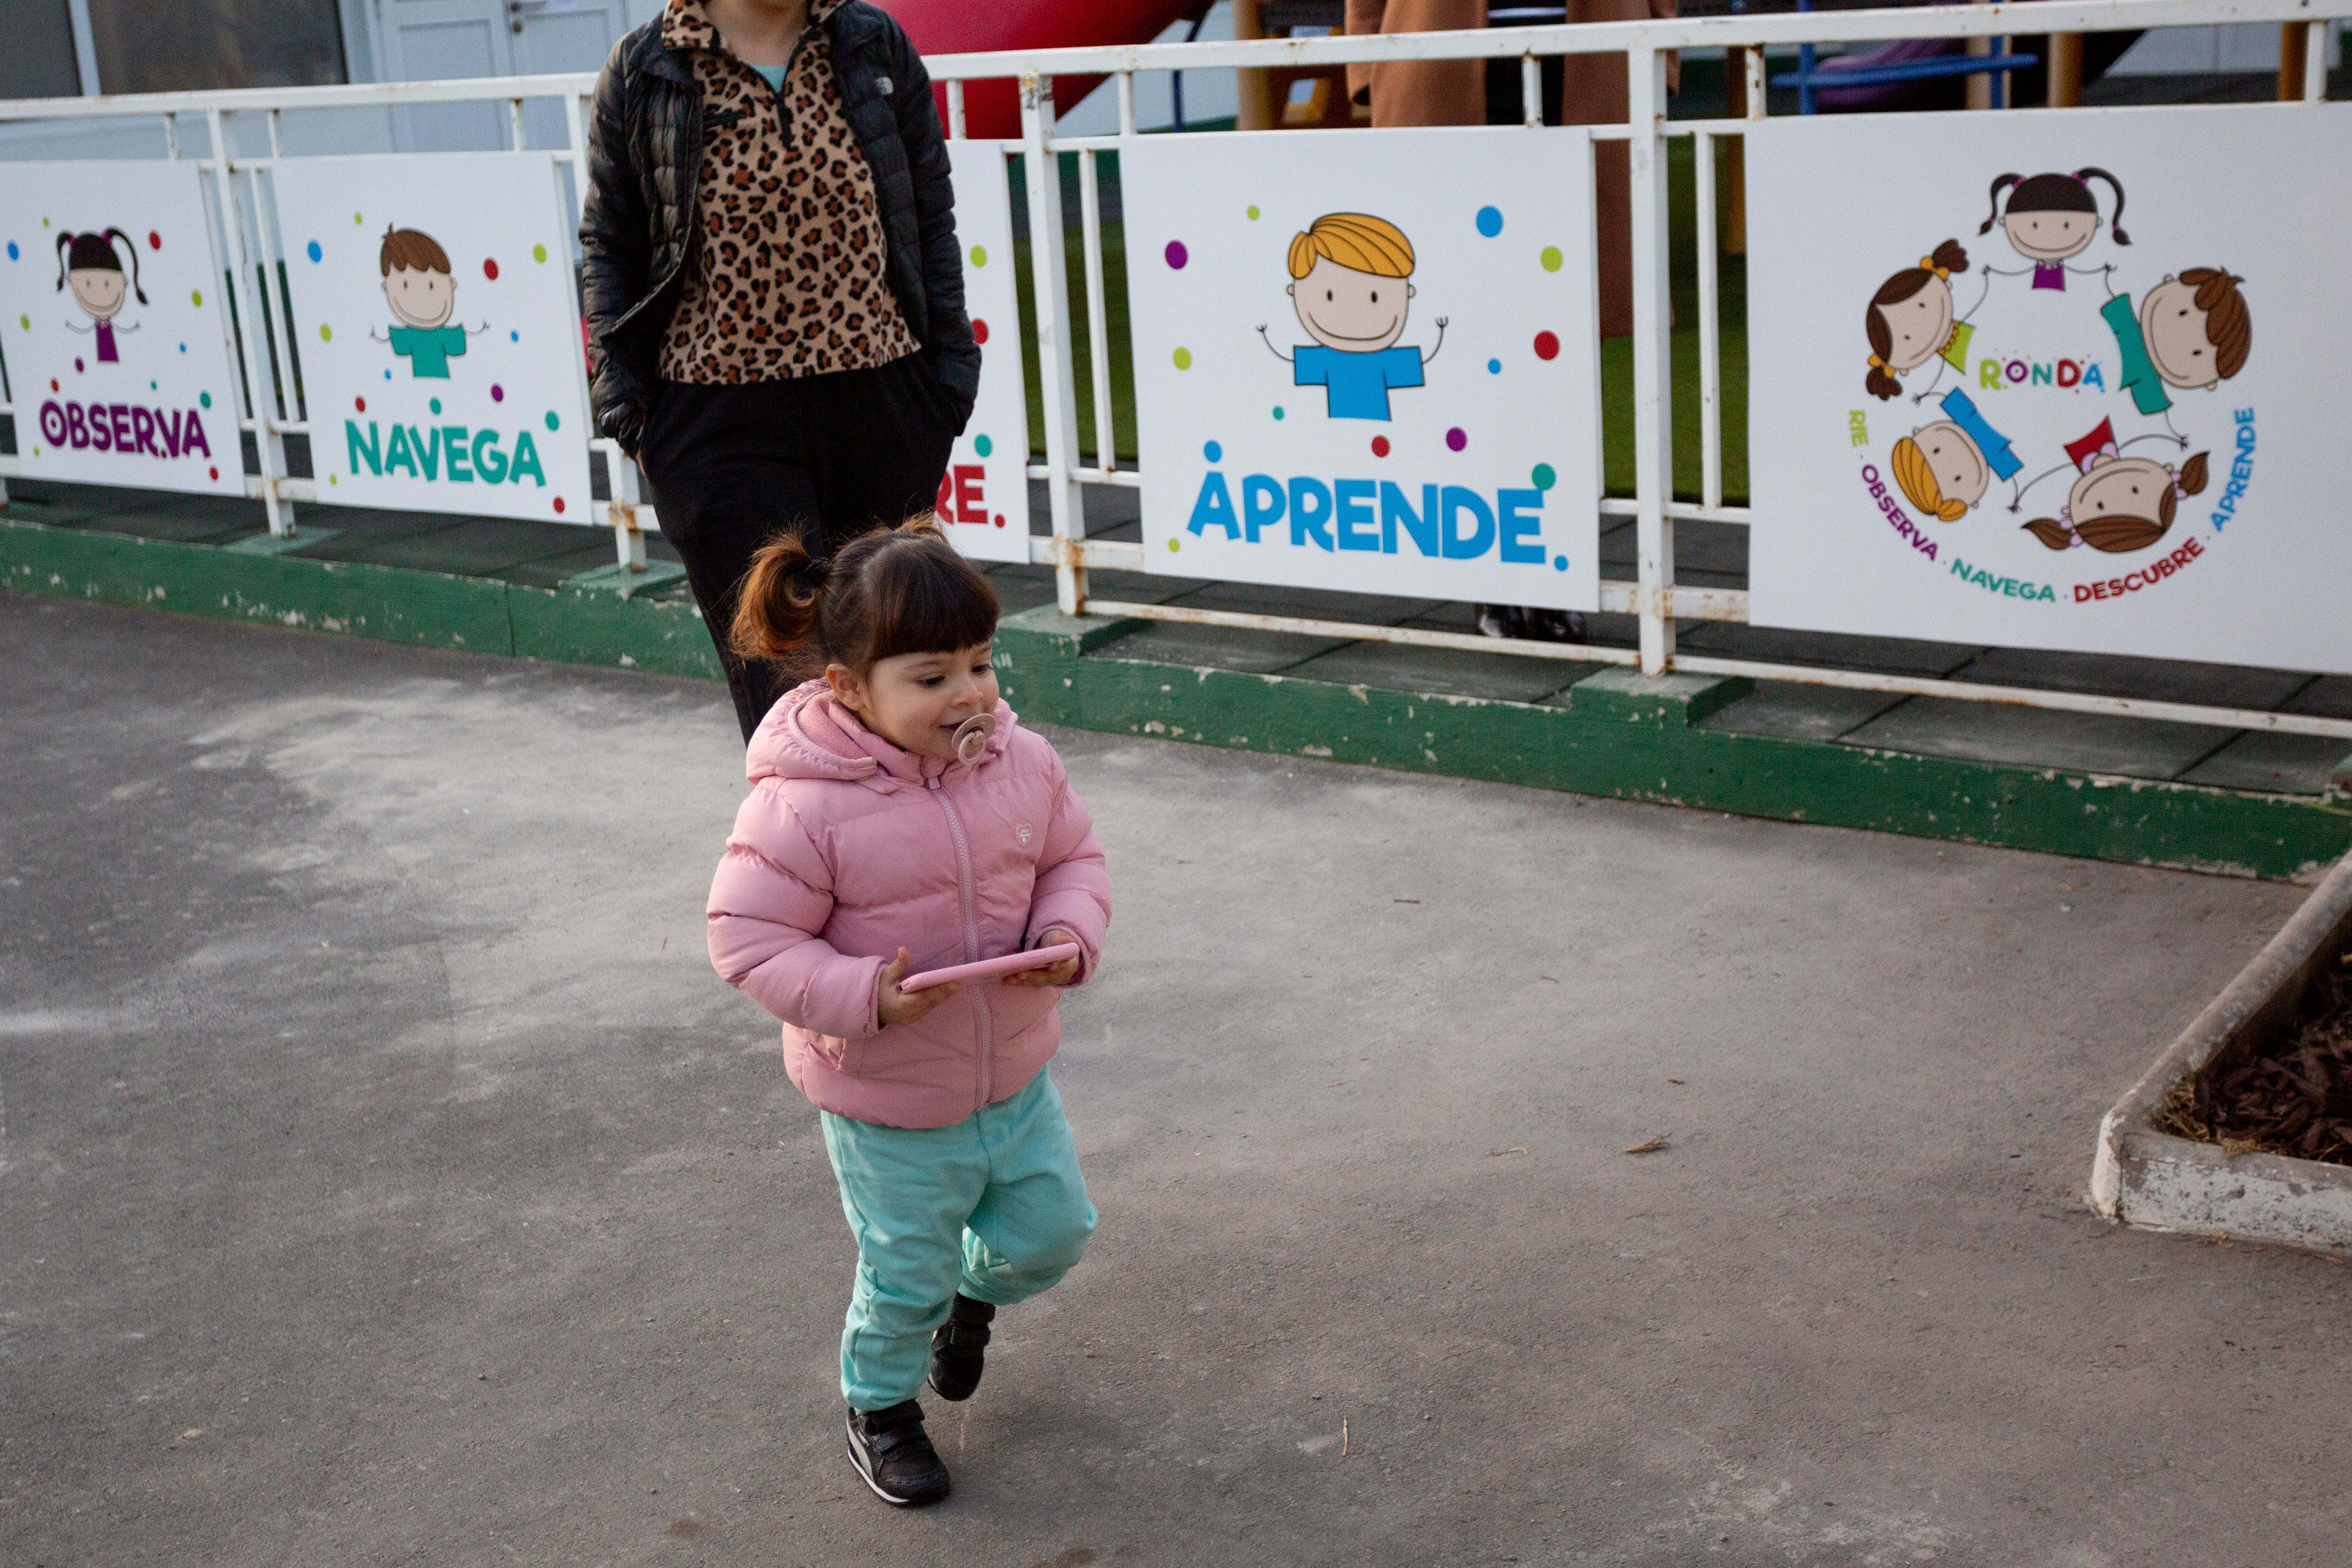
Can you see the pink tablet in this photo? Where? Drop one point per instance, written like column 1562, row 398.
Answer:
column 1011, row 964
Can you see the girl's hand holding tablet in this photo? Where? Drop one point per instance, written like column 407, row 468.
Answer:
column 1061, row 973
column 893, row 1006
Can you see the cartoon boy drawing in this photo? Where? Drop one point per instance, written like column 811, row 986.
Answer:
column 90, row 265
column 1348, row 284
column 2192, row 332
column 1946, row 468
column 422, row 293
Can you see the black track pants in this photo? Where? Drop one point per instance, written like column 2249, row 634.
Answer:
column 827, row 457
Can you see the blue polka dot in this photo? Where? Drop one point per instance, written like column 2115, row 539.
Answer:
column 1494, row 367
column 313, row 251
column 1559, row 563
column 1490, row 221
column 387, row 375
column 1214, row 452
column 13, row 252
column 514, row 337
column 184, row 348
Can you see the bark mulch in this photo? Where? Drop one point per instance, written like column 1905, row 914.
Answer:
column 2293, row 1098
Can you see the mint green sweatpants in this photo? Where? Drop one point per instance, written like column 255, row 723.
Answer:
column 992, row 1207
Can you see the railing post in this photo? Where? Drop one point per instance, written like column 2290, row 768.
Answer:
column 1654, row 456
column 1049, row 270
column 267, row 438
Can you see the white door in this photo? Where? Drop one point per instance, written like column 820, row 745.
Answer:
column 428, row 40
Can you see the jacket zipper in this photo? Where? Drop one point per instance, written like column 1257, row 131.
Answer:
column 984, row 1067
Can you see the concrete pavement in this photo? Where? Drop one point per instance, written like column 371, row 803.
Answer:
column 385, row 1178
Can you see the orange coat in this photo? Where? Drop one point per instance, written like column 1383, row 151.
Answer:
column 1454, row 92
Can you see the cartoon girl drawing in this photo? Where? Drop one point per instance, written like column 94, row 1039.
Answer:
column 1911, row 320
column 1946, row 468
column 2118, row 504
column 90, row 265
column 1348, row 273
column 2051, row 217
column 2192, row 332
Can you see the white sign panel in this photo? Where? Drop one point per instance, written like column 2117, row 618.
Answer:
column 114, row 336
column 1365, row 360
column 2063, row 380
column 438, row 333
column 984, row 497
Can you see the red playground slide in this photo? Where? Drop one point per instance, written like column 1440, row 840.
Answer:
column 963, row 27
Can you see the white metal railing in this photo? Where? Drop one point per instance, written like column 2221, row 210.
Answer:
column 1652, row 595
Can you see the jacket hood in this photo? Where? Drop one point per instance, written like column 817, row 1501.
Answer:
column 810, row 735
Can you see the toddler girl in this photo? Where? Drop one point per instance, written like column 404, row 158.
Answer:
column 900, row 819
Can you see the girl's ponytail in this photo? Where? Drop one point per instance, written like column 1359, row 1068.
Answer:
column 775, row 609
column 132, row 245
column 1997, row 187
column 2114, row 225
column 1950, row 257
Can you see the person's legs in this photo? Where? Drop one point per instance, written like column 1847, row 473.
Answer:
column 1030, row 1226
column 905, row 1192
column 879, row 444
column 727, row 475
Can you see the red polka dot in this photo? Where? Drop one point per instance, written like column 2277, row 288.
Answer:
column 1000, row 519
column 491, row 269
column 559, row 503
column 359, row 404
column 1379, row 446
column 979, row 331
column 53, row 384
column 1546, row 345
column 215, row 473
column 154, row 240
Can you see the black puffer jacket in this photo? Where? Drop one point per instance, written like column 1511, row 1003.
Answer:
column 637, row 223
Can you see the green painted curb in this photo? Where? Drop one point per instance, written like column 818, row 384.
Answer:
column 1632, row 737
column 1619, row 734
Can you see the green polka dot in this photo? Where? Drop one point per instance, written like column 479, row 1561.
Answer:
column 1277, row 411
column 538, row 253
column 1183, row 359
column 1543, row 477
column 983, row 445
column 152, row 387
column 1551, row 259
column 326, row 333
column 357, row 217
column 980, row 255
column 26, row 322
column 1173, row 547
column 1253, row 213
column 206, row 398
column 331, row 478
column 553, row 422
column 196, row 295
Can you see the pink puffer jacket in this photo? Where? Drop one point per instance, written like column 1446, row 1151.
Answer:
column 849, row 848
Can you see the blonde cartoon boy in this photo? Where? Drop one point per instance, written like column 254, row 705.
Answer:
column 1349, row 273
column 418, row 287
column 1946, row 468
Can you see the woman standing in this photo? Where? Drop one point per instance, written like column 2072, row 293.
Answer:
column 772, row 284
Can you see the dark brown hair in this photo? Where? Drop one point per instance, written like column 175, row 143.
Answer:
column 2118, row 533
column 2058, row 193
column 2228, row 325
column 96, row 251
column 894, row 591
column 1948, row 259
column 412, row 249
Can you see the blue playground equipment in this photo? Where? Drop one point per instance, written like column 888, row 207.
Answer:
column 1840, row 82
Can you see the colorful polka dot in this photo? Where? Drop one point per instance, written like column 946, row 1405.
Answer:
column 983, row 445
column 1183, row 359
column 979, row 331
column 980, row 255
column 196, row 295
column 538, row 253
column 497, row 393
column 1277, row 411
column 1000, row 519
column 154, row 386
column 1253, row 218
column 1494, row 367
column 78, row 364
column 215, row 472
column 435, row 405
column 13, row 251
column 154, row 240
column 514, row 337
column 184, row 348
column 1490, row 221
column 1543, row 477
column 1456, row 438
column 1173, row 547
column 359, row 218
column 553, row 422
column 1214, row 452
column 314, row 252
column 1379, row 446
column 1551, row 259
column 387, row 375
column 490, row 267
column 1177, row 255
column 559, row 504
column 206, row 398
column 1546, row 345
column 1559, row 563
column 27, row 322
column 359, row 404
column 326, row 333
column 53, row 385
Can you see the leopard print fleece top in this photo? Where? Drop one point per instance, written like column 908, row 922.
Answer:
column 788, row 274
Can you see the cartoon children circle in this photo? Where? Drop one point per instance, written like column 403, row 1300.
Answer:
column 2192, row 332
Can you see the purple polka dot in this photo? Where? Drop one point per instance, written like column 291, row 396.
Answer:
column 78, row 364
column 1455, row 440
column 1178, row 254
column 497, row 393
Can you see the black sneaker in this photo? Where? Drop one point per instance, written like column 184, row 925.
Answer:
column 1557, row 625
column 1500, row 620
column 957, row 1358
column 890, row 1454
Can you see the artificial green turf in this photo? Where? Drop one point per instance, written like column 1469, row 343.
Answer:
column 1616, row 354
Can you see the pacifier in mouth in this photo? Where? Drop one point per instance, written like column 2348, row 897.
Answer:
column 972, row 736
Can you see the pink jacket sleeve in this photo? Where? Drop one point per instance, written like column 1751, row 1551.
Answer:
column 772, row 896
column 1073, row 888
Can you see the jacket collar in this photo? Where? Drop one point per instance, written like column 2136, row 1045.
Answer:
column 686, row 25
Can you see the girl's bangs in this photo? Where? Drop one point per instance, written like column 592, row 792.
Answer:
column 930, row 600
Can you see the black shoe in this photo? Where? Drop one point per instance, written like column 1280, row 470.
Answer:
column 957, row 1358
column 890, row 1454
column 1557, row 625
column 1500, row 620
